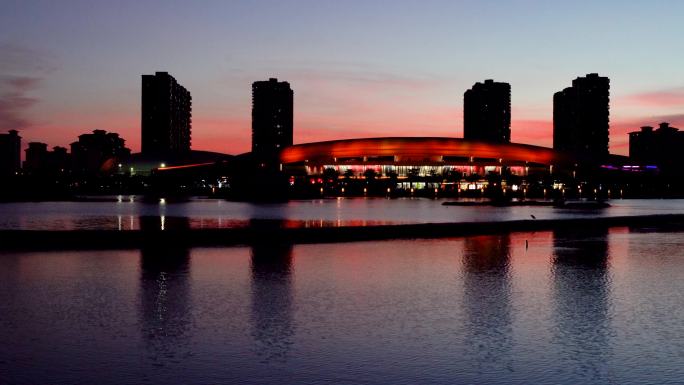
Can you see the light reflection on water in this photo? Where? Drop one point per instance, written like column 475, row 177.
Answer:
column 213, row 213
column 165, row 306
column 586, row 306
column 581, row 296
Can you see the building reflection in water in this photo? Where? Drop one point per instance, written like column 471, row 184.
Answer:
column 487, row 292
column 272, row 299
column 165, row 294
column 581, row 286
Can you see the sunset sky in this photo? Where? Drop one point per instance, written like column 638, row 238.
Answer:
column 357, row 68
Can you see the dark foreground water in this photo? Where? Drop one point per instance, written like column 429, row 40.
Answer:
column 591, row 307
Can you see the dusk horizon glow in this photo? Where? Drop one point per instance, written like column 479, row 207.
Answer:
column 357, row 70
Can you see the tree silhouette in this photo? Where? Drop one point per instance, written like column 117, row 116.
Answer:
column 330, row 175
column 370, row 174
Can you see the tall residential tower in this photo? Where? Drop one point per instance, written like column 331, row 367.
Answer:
column 581, row 117
column 272, row 119
column 487, row 112
column 166, row 115
column 10, row 153
column 662, row 147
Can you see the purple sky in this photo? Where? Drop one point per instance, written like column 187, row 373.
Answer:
column 358, row 68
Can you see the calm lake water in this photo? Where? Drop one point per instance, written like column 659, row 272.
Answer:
column 125, row 212
column 598, row 306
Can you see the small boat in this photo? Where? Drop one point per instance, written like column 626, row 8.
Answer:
column 585, row 205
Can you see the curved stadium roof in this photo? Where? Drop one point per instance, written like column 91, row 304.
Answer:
column 419, row 150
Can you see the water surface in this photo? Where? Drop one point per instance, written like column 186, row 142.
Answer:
column 596, row 306
column 130, row 213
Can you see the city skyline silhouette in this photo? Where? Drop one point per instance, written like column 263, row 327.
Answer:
column 398, row 72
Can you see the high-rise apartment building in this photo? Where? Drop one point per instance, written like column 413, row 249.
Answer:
column 99, row 152
column 662, row 147
column 272, row 118
column 10, row 153
column 487, row 112
column 41, row 162
column 581, row 117
column 36, row 158
column 166, row 115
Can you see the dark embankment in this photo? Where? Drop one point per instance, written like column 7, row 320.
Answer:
column 267, row 231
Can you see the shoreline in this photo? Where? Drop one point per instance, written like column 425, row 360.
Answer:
column 269, row 231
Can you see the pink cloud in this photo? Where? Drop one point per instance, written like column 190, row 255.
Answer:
column 64, row 128
column 673, row 97
column 532, row 131
column 226, row 135
column 624, row 126
column 231, row 136
column 358, row 102
column 22, row 71
column 15, row 101
column 620, row 147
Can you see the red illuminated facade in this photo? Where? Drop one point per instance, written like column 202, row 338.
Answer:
column 426, row 154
